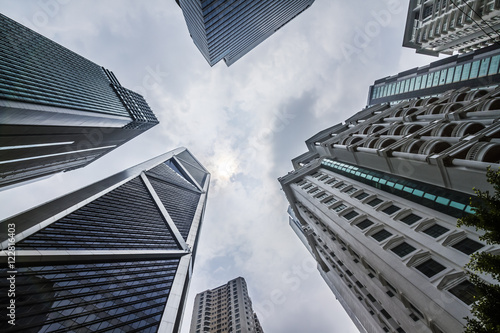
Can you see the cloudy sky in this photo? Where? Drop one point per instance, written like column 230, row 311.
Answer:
column 244, row 123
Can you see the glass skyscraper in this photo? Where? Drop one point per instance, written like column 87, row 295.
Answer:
column 116, row 255
column 58, row 110
column 229, row 29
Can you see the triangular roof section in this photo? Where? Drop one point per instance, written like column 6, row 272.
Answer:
column 107, row 223
column 191, row 165
column 171, row 173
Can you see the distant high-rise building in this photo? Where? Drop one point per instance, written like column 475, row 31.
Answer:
column 434, row 27
column 376, row 200
column 476, row 69
column 58, row 110
column 227, row 308
column 229, row 29
column 116, row 255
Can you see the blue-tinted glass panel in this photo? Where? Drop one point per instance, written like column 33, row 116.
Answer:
column 494, row 65
column 449, row 77
column 435, row 81
column 418, row 81
column 430, row 79
column 466, row 72
column 117, row 296
column 483, row 70
column 442, row 77
column 424, row 81
column 458, row 73
column 115, row 220
column 474, row 69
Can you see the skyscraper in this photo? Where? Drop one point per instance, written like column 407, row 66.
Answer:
column 115, row 255
column 229, row 29
column 227, row 308
column 58, row 110
column 434, row 27
column 476, row 69
column 376, row 200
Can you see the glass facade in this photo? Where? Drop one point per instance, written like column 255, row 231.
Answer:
column 48, row 92
column 229, row 29
column 179, row 199
column 109, row 296
column 439, row 79
column 447, row 201
column 114, row 221
column 106, row 257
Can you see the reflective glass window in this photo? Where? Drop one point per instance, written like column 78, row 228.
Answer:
column 474, row 69
column 424, row 81
column 418, row 81
column 381, row 235
column 465, row 291
column 435, row 82
column 466, row 72
column 449, row 76
column 430, row 78
column 458, row 73
column 436, row 230
column 467, row 246
column 483, row 70
column 430, row 268
column 403, row 249
column 494, row 65
column 442, row 77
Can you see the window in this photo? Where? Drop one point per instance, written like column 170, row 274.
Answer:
column 410, row 219
column 364, row 224
column 436, row 230
column 321, row 196
column 351, row 215
column 339, row 208
column 381, row 235
column 313, row 191
column 430, row 268
column 371, row 298
column 361, row 196
column 351, row 190
column 374, row 202
column 330, row 201
column 391, row 209
column 467, row 246
column 385, row 313
column 341, row 186
column 465, row 291
column 403, row 249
